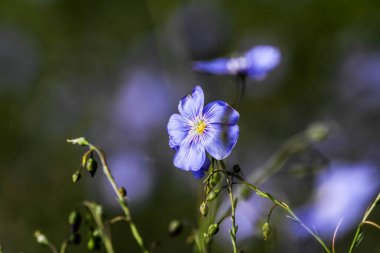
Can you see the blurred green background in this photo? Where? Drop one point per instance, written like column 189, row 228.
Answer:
column 114, row 71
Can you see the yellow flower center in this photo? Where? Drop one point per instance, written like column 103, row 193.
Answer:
column 200, row 127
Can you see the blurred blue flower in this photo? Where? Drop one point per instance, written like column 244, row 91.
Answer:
column 256, row 63
column 197, row 130
column 343, row 191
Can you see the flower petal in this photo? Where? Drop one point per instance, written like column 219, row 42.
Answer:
column 217, row 67
column 220, row 139
column 190, row 156
column 191, row 105
column 201, row 172
column 220, row 112
column 262, row 59
column 177, row 129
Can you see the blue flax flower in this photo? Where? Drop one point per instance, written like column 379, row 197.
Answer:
column 197, row 130
column 256, row 63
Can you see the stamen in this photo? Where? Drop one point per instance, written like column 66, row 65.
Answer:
column 200, row 127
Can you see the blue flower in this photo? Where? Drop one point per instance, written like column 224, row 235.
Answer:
column 256, row 63
column 197, row 130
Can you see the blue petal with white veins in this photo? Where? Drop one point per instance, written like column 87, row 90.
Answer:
column 219, row 140
column 178, row 129
column 220, row 112
column 190, row 157
column 191, row 106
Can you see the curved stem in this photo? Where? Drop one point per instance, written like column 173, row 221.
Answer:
column 120, row 198
column 286, row 208
column 364, row 221
column 52, row 247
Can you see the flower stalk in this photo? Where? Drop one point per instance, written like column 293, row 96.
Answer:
column 358, row 233
column 119, row 194
column 233, row 202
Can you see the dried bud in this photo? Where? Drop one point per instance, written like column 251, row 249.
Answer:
column 266, row 230
column 41, row 238
column 204, row 209
column 75, row 219
column 122, row 191
column 76, row 176
column 236, row 168
column 175, row 228
column 91, row 166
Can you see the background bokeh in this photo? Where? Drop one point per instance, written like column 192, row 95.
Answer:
column 114, row 71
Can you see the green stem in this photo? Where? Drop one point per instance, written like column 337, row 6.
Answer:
column 365, row 217
column 63, row 247
column 52, row 247
column 99, row 224
column 233, row 208
column 120, row 198
column 286, row 208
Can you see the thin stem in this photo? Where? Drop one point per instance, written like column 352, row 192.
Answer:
column 240, row 90
column 92, row 207
column 63, row 247
column 120, row 198
column 233, row 207
column 285, row 207
column 364, row 221
column 52, row 247
column 334, row 236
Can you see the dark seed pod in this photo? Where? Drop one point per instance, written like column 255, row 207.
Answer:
column 236, row 168
column 91, row 166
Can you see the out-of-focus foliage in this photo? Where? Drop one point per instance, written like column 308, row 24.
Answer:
column 113, row 71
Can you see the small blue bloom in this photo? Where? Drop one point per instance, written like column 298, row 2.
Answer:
column 197, row 130
column 256, row 63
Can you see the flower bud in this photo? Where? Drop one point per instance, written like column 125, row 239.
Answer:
column 317, row 132
column 122, row 191
column 215, row 179
column 212, row 230
column 266, row 230
column 204, row 209
column 76, row 176
column 91, row 244
column 91, row 166
column 41, row 238
column 75, row 219
column 213, row 195
column 175, row 228
column 79, row 141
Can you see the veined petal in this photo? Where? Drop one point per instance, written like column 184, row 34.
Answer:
column 190, row 157
column 217, row 67
column 191, row 106
column 262, row 59
column 220, row 112
column 201, row 172
column 177, row 129
column 219, row 140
